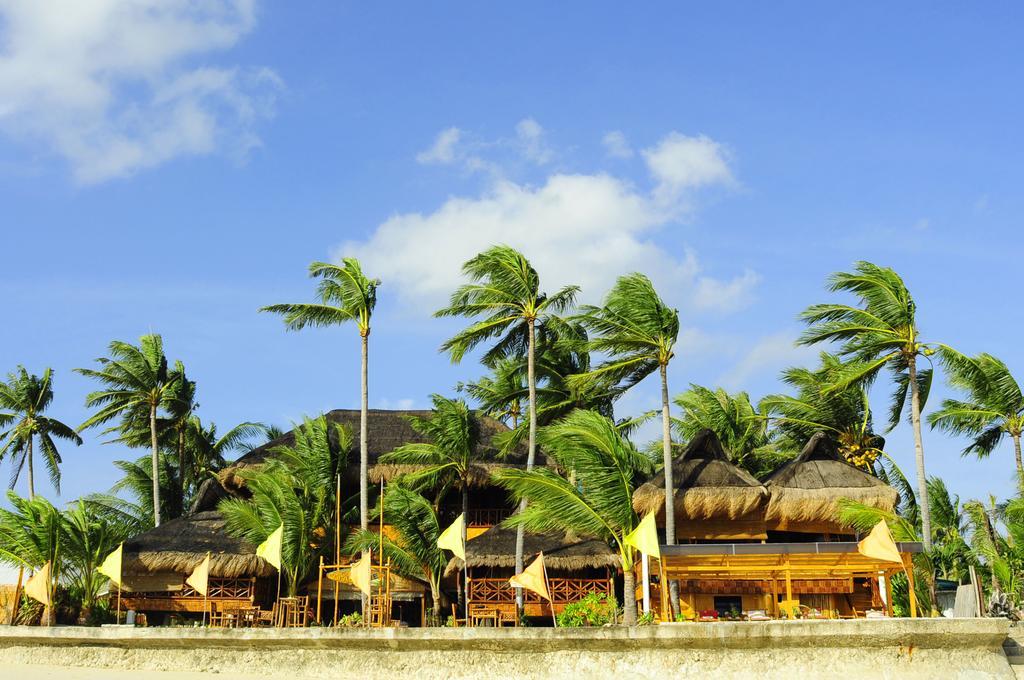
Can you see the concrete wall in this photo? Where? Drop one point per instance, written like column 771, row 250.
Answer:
column 921, row 648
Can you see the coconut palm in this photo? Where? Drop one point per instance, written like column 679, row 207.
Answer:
column 23, row 400
column 296, row 489
column 31, row 533
column 452, row 456
column 502, row 393
column 136, row 384
column 818, row 406
column 88, row 537
column 505, row 291
column 742, row 428
column 599, row 504
column 881, row 333
column 345, row 294
column 638, row 332
column 994, row 407
column 413, row 552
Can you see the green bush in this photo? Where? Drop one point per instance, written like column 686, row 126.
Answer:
column 596, row 609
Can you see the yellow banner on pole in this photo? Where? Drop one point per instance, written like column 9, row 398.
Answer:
column 451, row 538
column 270, row 549
column 645, row 537
column 879, row 545
column 533, row 578
column 38, row 587
column 200, row 578
column 360, row 574
column 111, row 567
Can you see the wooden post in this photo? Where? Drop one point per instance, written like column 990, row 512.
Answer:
column 319, row 588
column 789, row 590
column 17, row 595
column 645, row 574
column 888, row 592
column 119, row 604
column 666, row 611
column 775, row 595
column 908, row 569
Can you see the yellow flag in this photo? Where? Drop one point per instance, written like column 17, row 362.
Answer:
column 451, row 538
column 200, row 578
column 645, row 537
column 533, row 579
column 879, row 544
column 111, row 567
column 38, row 587
column 270, row 549
column 360, row 573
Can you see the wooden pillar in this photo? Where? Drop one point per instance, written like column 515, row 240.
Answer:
column 775, row 595
column 908, row 568
column 666, row 609
column 319, row 587
column 789, row 588
column 888, row 593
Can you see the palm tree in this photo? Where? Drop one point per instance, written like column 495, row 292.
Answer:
column 993, row 409
column 296, row 489
column 23, row 400
column 31, row 533
column 742, row 428
column 136, row 383
column 506, row 293
column 818, row 406
column 599, row 504
column 638, row 332
column 452, row 456
column 345, row 294
column 414, row 553
column 88, row 537
column 500, row 394
column 881, row 333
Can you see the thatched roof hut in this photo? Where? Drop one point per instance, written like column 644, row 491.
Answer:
column 179, row 545
column 387, row 431
column 496, row 547
column 714, row 499
column 804, row 493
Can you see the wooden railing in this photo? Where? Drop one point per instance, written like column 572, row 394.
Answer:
column 487, row 517
column 219, row 588
column 563, row 590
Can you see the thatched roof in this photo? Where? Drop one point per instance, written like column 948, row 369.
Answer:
column 387, row 431
column 179, row 545
column 807, row 489
column 496, row 547
column 708, row 486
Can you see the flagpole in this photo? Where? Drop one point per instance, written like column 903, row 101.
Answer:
column 547, row 586
column 645, row 574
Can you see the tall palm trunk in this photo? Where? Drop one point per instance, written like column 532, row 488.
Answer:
column 1016, row 451
column 628, row 596
column 364, row 447
column 670, row 489
column 435, row 599
column 181, row 465
column 922, row 480
column 31, row 473
column 156, row 465
column 531, row 384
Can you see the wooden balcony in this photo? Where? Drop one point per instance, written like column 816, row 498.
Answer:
column 498, row 594
column 488, row 517
column 229, row 592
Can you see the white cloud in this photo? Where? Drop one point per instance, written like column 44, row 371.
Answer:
column 768, row 356
column 531, row 139
column 396, row 404
column 681, row 163
column 584, row 229
column 443, row 150
column 616, row 145
column 111, row 85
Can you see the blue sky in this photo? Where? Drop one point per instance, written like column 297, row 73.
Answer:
column 169, row 169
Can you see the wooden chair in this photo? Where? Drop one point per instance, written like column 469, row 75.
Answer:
column 481, row 613
column 508, row 616
column 220, row 617
column 455, row 618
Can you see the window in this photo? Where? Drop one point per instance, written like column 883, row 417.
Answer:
column 727, row 603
